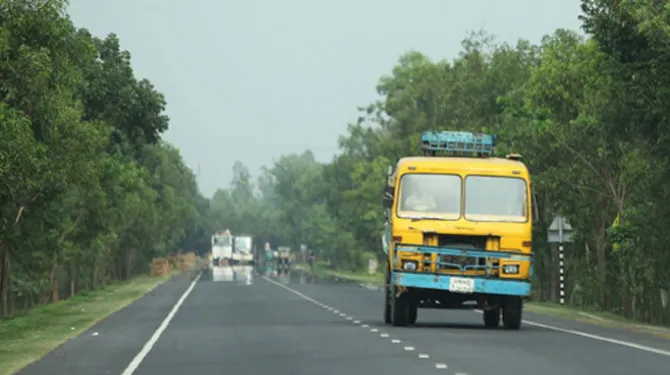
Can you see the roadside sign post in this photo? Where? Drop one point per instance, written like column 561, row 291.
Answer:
column 560, row 232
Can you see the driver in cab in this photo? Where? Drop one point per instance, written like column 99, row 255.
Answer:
column 418, row 198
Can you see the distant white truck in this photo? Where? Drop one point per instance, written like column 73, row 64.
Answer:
column 242, row 250
column 222, row 248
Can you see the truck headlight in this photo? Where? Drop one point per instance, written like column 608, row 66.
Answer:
column 409, row 266
column 510, row 269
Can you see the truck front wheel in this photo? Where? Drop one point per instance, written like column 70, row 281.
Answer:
column 492, row 318
column 400, row 308
column 512, row 313
column 413, row 311
column 387, row 296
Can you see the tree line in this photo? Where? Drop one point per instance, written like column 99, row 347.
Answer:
column 89, row 192
column 590, row 116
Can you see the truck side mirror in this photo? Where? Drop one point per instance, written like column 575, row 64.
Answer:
column 387, row 199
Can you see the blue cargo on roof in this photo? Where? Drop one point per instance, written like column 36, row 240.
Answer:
column 453, row 141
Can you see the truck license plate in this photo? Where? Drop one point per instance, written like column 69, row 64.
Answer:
column 461, row 285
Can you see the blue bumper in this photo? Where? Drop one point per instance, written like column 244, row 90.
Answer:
column 482, row 285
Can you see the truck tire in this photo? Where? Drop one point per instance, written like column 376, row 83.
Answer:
column 387, row 296
column 512, row 313
column 413, row 312
column 400, row 307
column 492, row 318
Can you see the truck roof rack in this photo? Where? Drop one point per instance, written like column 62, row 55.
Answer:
column 456, row 143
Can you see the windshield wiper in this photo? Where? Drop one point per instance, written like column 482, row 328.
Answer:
column 418, row 218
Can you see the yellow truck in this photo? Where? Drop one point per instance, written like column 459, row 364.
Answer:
column 458, row 231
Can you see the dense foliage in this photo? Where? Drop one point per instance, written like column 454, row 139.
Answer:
column 590, row 117
column 89, row 192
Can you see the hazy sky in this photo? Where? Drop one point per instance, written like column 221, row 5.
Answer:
column 250, row 80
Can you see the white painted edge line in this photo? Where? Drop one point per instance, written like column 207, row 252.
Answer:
column 135, row 363
column 369, row 286
column 597, row 337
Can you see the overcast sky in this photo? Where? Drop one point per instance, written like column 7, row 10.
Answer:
column 250, row 80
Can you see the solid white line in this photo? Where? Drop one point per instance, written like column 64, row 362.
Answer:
column 597, row 337
column 134, row 364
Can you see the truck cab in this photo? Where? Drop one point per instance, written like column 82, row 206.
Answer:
column 458, row 231
column 242, row 249
column 222, row 248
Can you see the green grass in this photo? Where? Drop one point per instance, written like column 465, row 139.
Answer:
column 552, row 309
column 27, row 338
column 355, row 276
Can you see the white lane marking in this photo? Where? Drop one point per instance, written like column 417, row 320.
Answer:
column 343, row 314
column 132, row 366
column 357, row 322
column 384, row 335
column 424, row 356
column 350, row 318
column 597, row 337
column 369, row 286
column 336, row 311
column 408, row 348
column 442, row 366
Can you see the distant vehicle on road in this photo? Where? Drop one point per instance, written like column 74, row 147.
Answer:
column 242, row 250
column 283, row 259
column 222, row 248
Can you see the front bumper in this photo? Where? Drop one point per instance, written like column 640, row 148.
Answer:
column 481, row 285
column 243, row 257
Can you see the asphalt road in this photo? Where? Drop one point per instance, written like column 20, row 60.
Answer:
column 228, row 323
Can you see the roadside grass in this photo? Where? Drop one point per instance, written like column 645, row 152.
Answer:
column 357, row 276
column 27, row 338
column 599, row 318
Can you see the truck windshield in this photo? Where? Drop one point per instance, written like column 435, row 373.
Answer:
column 222, row 241
column 243, row 244
column 437, row 196
column 495, row 199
